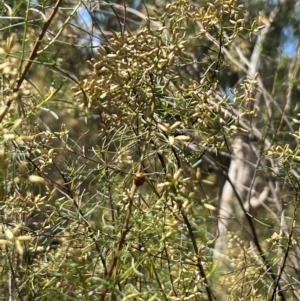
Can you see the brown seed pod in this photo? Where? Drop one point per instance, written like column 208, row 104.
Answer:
column 139, row 179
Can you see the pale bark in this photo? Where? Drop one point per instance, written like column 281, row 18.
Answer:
column 240, row 174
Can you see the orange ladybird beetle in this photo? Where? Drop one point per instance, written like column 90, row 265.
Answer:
column 139, row 179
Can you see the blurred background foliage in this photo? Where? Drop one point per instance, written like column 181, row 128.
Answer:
column 119, row 124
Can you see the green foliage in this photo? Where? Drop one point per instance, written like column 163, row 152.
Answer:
column 108, row 184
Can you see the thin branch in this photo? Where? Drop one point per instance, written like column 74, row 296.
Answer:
column 277, row 289
column 125, row 230
column 32, row 57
